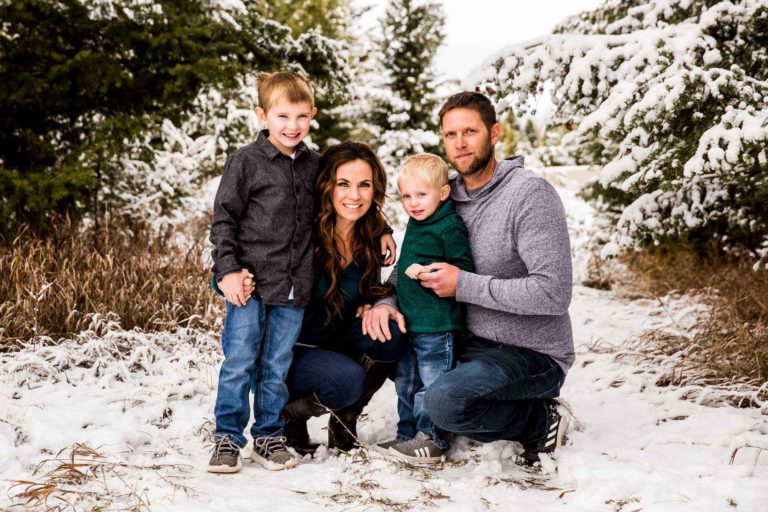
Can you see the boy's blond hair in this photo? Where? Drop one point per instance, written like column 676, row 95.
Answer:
column 428, row 167
column 271, row 87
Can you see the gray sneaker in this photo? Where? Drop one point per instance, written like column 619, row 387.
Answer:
column 419, row 450
column 384, row 446
column 273, row 454
column 225, row 457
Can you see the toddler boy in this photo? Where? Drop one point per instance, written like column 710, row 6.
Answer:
column 435, row 233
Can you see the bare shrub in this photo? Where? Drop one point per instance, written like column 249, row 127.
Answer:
column 731, row 345
column 112, row 276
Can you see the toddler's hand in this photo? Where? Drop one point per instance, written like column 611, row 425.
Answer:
column 414, row 270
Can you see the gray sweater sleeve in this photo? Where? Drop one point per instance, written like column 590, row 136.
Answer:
column 228, row 208
column 541, row 237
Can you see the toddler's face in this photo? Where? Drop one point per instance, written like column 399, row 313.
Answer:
column 420, row 198
column 287, row 122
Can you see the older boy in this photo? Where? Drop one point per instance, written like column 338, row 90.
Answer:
column 261, row 229
column 434, row 233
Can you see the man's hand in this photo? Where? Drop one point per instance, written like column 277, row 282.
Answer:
column 232, row 287
column 388, row 245
column 376, row 321
column 414, row 270
column 441, row 278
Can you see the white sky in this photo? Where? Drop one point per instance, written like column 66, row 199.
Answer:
column 477, row 28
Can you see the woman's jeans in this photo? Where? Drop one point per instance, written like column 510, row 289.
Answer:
column 430, row 357
column 258, row 344
column 495, row 392
column 333, row 370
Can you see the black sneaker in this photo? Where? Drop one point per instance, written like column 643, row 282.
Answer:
column 419, row 450
column 384, row 446
column 554, row 437
column 273, row 454
column 225, row 457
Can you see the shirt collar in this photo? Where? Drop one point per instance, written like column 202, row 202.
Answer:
column 269, row 149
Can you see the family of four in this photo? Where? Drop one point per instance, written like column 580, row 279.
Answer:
column 472, row 323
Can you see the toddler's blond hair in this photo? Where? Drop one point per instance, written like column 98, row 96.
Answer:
column 428, row 167
column 271, row 87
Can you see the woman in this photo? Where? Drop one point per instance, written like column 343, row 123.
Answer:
column 335, row 365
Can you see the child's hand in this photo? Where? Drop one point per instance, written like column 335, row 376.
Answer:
column 232, row 287
column 414, row 270
column 388, row 245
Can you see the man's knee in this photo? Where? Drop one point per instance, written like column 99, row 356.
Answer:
column 444, row 407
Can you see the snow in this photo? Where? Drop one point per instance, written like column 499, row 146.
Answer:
column 144, row 404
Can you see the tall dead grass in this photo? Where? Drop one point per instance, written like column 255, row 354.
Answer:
column 732, row 344
column 113, row 276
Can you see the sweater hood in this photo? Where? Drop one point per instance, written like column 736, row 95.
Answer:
column 503, row 172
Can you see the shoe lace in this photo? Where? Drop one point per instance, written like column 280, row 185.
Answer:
column 271, row 444
column 225, row 445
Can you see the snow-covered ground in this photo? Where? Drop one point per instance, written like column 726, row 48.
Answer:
column 122, row 421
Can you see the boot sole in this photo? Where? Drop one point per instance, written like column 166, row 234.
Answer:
column 272, row 466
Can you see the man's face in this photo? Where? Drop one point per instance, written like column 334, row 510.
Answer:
column 468, row 144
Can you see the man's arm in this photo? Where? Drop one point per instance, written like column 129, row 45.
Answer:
column 376, row 320
column 544, row 246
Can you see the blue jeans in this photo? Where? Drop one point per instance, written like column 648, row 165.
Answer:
column 495, row 392
column 431, row 355
column 258, row 344
column 332, row 370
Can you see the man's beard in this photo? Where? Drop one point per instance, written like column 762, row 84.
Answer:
column 478, row 163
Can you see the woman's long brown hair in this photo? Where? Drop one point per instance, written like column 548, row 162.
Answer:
column 366, row 238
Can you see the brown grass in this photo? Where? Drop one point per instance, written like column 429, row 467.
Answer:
column 732, row 343
column 73, row 280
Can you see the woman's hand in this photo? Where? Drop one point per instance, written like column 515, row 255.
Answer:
column 388, row 245
column 248, row 285
column 376, row 322
column 361, row 310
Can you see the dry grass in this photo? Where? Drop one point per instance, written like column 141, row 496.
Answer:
column 98, row 279
column 731, row 345
column 79, row 478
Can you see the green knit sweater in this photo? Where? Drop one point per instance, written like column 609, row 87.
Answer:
column 440, row 238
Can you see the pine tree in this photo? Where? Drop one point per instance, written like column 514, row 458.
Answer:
column 82, row 80
column 396, row 87
column 680, row 88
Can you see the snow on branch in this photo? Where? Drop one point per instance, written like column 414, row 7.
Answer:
column 681, row 88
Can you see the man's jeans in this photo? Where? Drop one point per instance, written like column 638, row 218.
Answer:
column 332, row 370
column 258, row 344
column 430, row 357
column 495, row 392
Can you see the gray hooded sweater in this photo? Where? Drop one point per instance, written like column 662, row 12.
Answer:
column 521, row 288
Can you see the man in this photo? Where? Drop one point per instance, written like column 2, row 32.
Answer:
column 520, row 343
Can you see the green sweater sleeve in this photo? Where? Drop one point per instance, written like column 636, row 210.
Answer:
column 456, row 247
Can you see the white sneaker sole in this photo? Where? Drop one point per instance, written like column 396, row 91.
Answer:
column 226, row 469
column 414, row 460
column 273, row 466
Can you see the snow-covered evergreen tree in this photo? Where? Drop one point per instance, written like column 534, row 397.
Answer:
column 681, row 88
column 396, row 98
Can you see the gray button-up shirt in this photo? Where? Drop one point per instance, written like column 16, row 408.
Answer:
column 262, row 219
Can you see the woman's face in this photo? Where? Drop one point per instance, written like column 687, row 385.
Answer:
column 353, row 191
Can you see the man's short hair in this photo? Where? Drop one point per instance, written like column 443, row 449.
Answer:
column 428, row 167
column 271, row 87
column 474, row 101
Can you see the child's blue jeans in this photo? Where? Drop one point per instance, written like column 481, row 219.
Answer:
column 258, row 344
column 431, row 356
